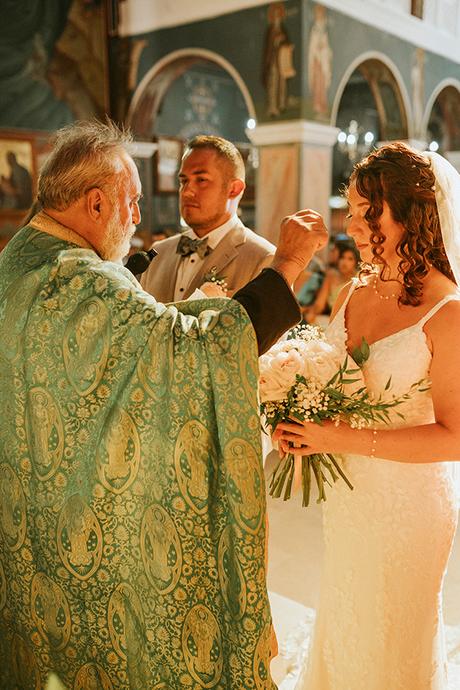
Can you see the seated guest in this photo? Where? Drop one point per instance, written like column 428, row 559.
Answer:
column 337, row 244
column 308, row 284
column 335, row 279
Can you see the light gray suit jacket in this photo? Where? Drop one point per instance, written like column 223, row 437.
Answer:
column 238, row 258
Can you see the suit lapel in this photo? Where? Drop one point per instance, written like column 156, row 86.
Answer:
column 216, row 261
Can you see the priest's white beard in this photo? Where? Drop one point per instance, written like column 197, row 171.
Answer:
column 117, row 239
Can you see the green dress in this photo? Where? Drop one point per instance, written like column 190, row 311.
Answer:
column 132, row 501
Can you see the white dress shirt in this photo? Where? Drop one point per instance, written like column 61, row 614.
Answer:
column 190, row 265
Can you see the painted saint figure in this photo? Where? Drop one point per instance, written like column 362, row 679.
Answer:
column 278, row 64
column 319, row 61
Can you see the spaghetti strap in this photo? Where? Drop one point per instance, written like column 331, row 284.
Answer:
column 437, row 307
column 343, row 306
column 354, row 284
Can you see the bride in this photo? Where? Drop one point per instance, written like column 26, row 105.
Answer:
column 387, row 543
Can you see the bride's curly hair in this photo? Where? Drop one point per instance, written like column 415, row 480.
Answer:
column 403, row 178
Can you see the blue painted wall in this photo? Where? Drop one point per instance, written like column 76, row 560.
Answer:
column 29, row 30
column 239, row 38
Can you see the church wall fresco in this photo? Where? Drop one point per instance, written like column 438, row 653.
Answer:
column 290, row 54
column 318, row 44
column 247, row 39
column 53, row 63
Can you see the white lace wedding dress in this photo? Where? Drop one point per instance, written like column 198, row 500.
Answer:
column 379, row 624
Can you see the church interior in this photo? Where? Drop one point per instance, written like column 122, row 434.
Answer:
column 304, row 89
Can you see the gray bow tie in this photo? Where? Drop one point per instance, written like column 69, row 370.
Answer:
column 188, row 246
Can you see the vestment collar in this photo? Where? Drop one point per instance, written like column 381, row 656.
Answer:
column 43, row 222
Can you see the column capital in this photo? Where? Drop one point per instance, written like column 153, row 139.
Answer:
column 293, row 131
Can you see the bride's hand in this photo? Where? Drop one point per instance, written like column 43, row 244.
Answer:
column 307, row 438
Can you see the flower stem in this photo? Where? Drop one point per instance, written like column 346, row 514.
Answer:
column 316, row 465
column 290, row 477
column 339, row 470
column 306, row 481
column 281, row 473
column 282, row 478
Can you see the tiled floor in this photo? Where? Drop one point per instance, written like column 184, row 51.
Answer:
column 295, row 553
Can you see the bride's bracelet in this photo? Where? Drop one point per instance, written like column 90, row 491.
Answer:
column 373, row 443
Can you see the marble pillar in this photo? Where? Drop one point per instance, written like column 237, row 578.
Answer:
column 295, row 171
column 277, row 193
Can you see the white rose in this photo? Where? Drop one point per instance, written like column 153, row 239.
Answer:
column 278, row 370
column 321, row 361
column 316, row 360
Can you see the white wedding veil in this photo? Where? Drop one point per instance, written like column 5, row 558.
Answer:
column 447, row 193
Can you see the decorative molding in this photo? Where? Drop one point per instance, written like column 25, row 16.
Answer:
column 142, row 16
column 293, row 131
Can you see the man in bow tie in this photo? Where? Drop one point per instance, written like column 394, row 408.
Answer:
column 216, row 241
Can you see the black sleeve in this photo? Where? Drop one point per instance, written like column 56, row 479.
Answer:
column 271, row 306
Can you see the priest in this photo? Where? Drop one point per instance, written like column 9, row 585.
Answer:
column 132, row 500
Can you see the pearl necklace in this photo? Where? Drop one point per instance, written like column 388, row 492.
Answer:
column 383, row 297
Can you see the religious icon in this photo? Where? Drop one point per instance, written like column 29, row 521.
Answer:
column 202, row 646
column 319, row 61
column 16, row 173
column 278, row 64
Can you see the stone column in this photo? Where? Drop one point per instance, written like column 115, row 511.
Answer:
column 316, row 170
column 295, row 171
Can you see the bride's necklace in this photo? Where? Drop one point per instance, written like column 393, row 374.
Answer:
column 392, row 295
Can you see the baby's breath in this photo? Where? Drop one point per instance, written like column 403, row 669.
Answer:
column 306, row 332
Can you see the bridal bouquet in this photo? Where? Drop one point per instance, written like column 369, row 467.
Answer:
column 305, row 378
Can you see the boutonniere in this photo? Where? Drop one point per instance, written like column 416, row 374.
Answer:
column 213, row 277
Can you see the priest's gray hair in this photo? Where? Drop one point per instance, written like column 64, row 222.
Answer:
column 85, row 155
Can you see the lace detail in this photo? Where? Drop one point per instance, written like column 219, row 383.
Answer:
column 387, row 544
column 294, row 649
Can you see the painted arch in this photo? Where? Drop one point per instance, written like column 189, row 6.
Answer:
column 159, row 80
column 441, row 120
column 372, row 60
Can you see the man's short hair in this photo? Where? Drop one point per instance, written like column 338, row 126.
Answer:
column 224, row 149
column 85, row 155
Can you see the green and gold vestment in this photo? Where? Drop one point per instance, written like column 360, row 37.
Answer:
column 132, row 503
